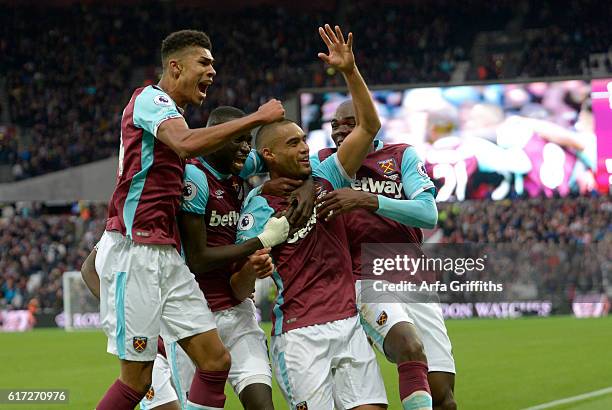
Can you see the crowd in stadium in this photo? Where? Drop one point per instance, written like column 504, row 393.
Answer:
column 543, row 248
column 40, row 247
column 66, row 97
column 37, row 248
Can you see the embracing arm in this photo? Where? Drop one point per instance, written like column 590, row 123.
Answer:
column 189, row 143
column 201, row 258
column 420, row 212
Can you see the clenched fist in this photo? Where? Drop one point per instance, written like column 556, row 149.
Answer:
column 271, row 111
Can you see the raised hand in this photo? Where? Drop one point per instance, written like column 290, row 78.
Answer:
column 340, row 53
column 271, row 111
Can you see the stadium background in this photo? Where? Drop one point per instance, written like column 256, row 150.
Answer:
column 67, row 69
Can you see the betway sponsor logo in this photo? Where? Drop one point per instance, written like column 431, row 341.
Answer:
column 306, row 229
column 378, row 187
column 228, row 219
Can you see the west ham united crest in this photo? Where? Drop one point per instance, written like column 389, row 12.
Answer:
column 139, row 343
column 382, row 318
column 387, row 166
column 302, row 406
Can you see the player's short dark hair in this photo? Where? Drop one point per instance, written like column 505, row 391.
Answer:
column 224, row 114
column 179, row 40
column 261, row 137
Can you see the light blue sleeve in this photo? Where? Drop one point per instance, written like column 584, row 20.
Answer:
column 151, row 108
column 253, row 218
column 331, row 170
column 195, row 190
column 420, row 212
column 315, row 162
column 414, row 176
column 253, row 165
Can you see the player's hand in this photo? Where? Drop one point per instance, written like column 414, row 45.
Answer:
column 345, row 200
column 340, row 53
column 301, row 204
column 260, row 263
column 271, row 111
column 282, row 186
column 275, row 232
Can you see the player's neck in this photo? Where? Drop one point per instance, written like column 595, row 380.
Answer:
column 165, row 83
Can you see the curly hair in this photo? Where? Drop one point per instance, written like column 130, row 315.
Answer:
column 182, row 39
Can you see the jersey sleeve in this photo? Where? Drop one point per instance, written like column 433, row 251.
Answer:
column 331, row 169
column 414, row 177
column 253, row 165
column 315, row 162
column 253, row 218
column 195, row 190
column 420, row 212
column 151, row 108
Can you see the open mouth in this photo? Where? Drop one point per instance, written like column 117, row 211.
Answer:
column 203, row 88
column 240, row 160
column 304, row 162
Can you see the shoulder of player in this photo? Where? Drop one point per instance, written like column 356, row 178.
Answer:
column 324, row 153
column 152, row 95
column 254, row 200
column 394, row 148
column 194, row 175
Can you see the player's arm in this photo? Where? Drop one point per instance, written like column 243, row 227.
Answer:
column 201, row 258
column 258, row 266
column 189, row 143
column 192, row 226
column 89, row 274
column 356, row 145
column 419, row 210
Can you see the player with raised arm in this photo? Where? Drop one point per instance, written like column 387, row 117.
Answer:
column 146, row 288
column 216, row 182
column 390, row 200
column 318, row 346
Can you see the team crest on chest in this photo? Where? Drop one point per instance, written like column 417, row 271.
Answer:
column 301, row 406
column 387, row 166
column 150, row 394
column 139, row 343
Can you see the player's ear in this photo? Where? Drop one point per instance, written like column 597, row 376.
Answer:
column 175, row 68
column 267, row 154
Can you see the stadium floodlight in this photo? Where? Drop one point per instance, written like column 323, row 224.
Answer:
column 81, row 308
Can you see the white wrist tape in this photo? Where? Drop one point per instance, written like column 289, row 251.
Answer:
column 275, row 232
